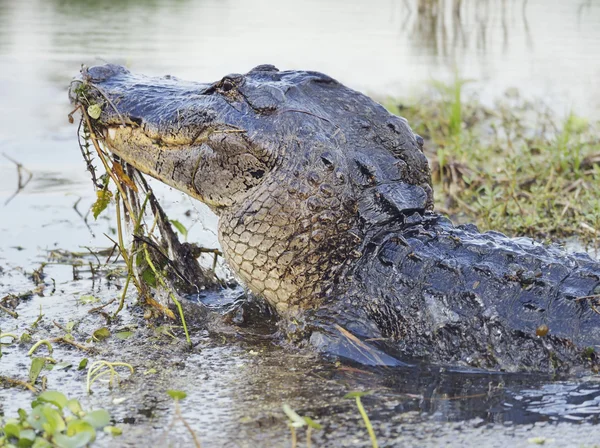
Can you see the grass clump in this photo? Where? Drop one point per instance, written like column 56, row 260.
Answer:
column 514, row 167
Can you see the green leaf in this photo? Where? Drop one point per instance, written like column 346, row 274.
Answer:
column 25, row 338
column 74, row 406
column 88, row 299
column 12, row 430
column 149, row 277
column 113, row 430
column 79, row 440
column 180, row 227
column 22, row 414
column 63, row 365
column 101, row 334
column 177, row 394
column 54, row 422
column 310, row 422
column 94, row 111
column 103, row 198
column 124, row 334
column 26, row 437
column 98, row 418
column 41, row 443
column 357, row 394
column 36, row 417
column 54, row 397
column 37, row 364
column 296, row 420
column 82, row 364
column 77, row 426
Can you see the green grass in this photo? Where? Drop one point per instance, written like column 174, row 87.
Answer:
column 515, row 167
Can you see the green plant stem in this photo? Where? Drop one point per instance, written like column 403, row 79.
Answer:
column 96, row 369
column 9, row 335
column 164, row 285
column 35, row 346
column 365, row 417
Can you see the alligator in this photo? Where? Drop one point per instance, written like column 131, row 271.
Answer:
column 325, row 209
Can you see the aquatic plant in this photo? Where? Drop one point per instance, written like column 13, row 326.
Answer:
column 54, row 421
column 297, row 421
column 101, row 368
column 363, row 414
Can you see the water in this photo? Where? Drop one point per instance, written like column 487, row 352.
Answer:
column 382, row 47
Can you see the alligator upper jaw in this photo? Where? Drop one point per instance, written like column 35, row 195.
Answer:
column 164, row 127
column 167, row 110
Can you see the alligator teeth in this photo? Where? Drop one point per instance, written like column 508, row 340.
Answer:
column 112, row 132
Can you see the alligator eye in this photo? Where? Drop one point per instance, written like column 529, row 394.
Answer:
column 227, row 85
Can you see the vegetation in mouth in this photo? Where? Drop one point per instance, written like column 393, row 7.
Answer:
column 514, row 167
column 156, row 260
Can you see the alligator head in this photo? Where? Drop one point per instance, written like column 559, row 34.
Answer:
column 299, row 168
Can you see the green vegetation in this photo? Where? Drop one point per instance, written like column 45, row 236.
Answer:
column 296, row 421
column 514, row 167
column 363, row 413
column 54, row 421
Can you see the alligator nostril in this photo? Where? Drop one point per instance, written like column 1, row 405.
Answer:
column 420, row 140
column 136, row 120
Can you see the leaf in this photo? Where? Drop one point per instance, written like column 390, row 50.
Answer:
column 113, row 430
column 26, row 437
column 77, row 426
column 63, row 365
column 36, row 417
column 88, row 299
column 12, row 430
column 41, row 443
column 79, row 440
column 103, row 198
column 25, row 338
column 357, row 394
column 53, row 397
column 124, row 334
column 22, row 415
column 177, row 394
column 310, row 422
column 149, row 277
column 82, row 364
column 180, row 227
column 37, row 364
column 101, row 334
column 74, row 406
column 54, row 422
column 297, row 421
column 117, row 168
column 98, row 418
column 94, row 111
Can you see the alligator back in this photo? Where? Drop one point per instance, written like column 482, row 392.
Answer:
column 453, row 295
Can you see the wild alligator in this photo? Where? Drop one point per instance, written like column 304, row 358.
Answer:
column 325, row 205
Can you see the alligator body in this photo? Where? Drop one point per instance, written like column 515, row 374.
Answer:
column 325, row 207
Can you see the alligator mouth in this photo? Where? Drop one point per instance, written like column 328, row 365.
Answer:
column 163, row 127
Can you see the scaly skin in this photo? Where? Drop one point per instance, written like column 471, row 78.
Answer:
column 325, row 206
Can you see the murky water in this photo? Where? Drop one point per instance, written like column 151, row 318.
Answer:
column 387, row 47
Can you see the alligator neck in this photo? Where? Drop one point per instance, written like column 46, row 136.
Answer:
column 291, row 236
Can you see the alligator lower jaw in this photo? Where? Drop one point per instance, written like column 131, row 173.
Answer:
column 132, row 145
